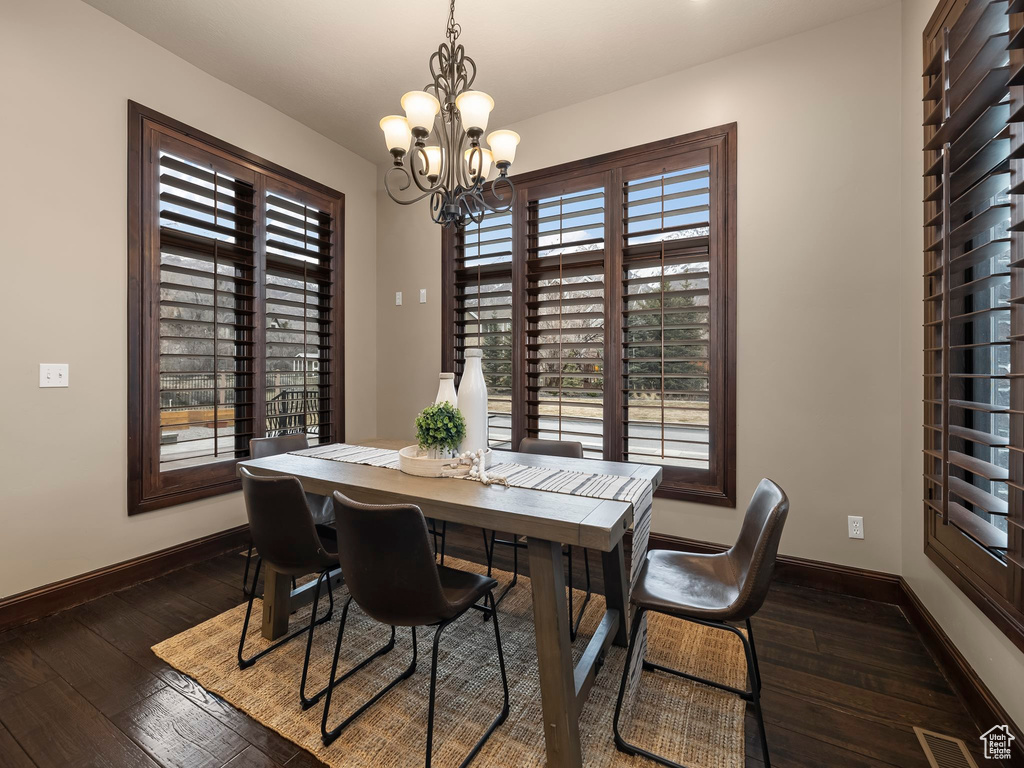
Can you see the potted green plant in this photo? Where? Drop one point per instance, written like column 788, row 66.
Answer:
column 440, row 429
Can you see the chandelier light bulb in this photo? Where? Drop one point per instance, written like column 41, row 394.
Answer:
column 420, row 109
column 432, row 162
column 503, row 146
column 475, row 107
column 396, row 135
column 477, row 157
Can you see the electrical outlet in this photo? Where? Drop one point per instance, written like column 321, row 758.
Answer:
column 856, row 527
column 398, row 298
column 423, row 295
column 53, row 374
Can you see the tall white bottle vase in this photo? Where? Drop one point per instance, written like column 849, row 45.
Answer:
column 473, row 401
column 446, row 390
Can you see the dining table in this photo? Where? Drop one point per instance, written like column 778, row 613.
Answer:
column 546, row 519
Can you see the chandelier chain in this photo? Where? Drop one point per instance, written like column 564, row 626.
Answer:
column 454, row 28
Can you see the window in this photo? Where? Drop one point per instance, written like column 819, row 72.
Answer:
column 605, row 306
column 235, row 318
column 973, row 394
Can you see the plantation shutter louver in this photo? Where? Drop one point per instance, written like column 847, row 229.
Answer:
column 973, row 327
column 565, row 315
column 299, row 315
column 665, row 317
column 483, row 314
column 234, row 310
column 206, row 310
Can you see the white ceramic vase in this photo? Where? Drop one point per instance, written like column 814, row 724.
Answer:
column 473, row 401
column 446, row 390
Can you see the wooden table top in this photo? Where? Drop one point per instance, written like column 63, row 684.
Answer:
column 593, row 523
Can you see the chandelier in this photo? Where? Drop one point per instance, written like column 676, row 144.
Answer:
column 452, row 170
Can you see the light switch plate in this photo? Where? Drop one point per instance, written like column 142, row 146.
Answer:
column 423, row 295
column 53, row 374
column 398, row 298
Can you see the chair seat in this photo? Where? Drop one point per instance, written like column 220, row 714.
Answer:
column 462, row 589
column 687, row 584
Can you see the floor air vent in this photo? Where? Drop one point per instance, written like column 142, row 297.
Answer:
column 944, row 751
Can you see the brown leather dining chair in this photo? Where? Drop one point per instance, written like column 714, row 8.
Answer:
column 286, row 538
column 569, row 449
column 717, row 591
column 389, row 567
column 320, row 506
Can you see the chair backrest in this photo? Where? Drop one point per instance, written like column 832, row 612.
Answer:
column 388, row 563
column 280, row 522
column 569, row 449
column 753, row 554
column 261, row 447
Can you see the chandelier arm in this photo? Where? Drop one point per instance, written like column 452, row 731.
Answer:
column 495, row 195
column 415, row 174
column 407, row 183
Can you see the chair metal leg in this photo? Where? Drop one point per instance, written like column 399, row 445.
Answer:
column 433, row 689
column 436, row 535
column 329, row 736
column 245, row 576
column 753, row 695
column 753, row 652
column 244, row 663
column 489, row 551
column 575, row 621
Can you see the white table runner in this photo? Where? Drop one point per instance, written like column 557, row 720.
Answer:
column 638, row 491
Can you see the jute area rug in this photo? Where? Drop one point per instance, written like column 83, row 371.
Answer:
column 692, row 724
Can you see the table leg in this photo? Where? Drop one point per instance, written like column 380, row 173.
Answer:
column 554, row 655
column 277, row 592
column 617, row 591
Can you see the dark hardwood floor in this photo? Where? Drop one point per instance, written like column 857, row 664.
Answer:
column 845, row 681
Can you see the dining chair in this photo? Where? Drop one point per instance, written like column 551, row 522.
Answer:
column 716, row 591
column 391, row 573
column 286, row 538
column 569, row 449
column 321, row 507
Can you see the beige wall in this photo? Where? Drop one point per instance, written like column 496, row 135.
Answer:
column 996, row 660
column 818, row 406
column 66, row 74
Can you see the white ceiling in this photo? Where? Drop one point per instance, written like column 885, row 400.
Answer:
column 339, row 66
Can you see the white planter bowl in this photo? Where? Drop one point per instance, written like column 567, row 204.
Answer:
column 414, row 461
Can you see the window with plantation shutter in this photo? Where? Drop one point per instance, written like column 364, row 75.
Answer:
column 483, row 314
column 666, row 316
column 299, row 280
column 565, row 301
column 616, row 286
column 234, row 310
column 973, row 393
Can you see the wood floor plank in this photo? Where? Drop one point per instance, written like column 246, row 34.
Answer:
column 58, row 728
column 267, row 741
column 884, row 743
column 213, row 593
column 20, row 668
column 305, row 760
column 859, row 701
column 178, row 734
column 134, row 633
column 11, row 753
column 251, row 757
column 173, row 610
column 97, row 670
column 789, row 749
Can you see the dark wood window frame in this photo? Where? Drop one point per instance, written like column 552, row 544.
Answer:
column 214, row 478
column 973, row 477
column 718, row 487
